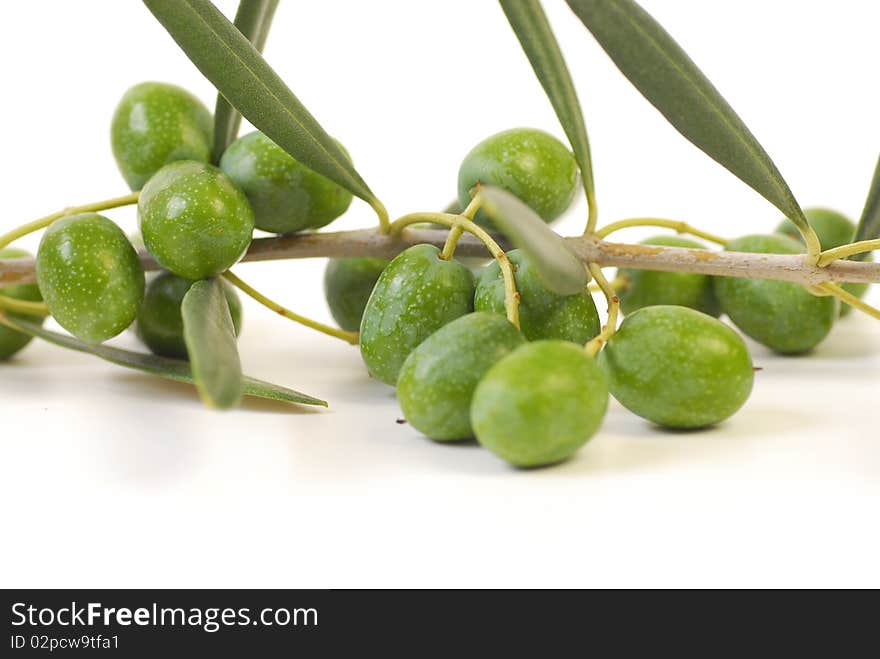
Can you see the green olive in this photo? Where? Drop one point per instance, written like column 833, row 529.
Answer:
column 417, row 294
column 155, row 124
column 783, row 316
column 528, row 163
column 645, row 288
column 540, row 403
column 159, row 321
column 194, row 220
column 90, row 276
column 10, row 340
column 834, row 230
column 347, row 287
column 678, row 367
column 542, row 313
column 286, row 195
column 437, row 380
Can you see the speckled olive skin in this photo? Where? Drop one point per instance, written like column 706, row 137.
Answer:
column 646, row 288
column 286, row 195
column 10, row 340
column 417, row 294
column 194, row 220
column 678, row 367
column 155, row 124
column 542, row 313
column 90, row 276
column 347, row 287
column 781, row 315
column 438, row 379
column 834, row 230
column 159, row 321
column 540, row 403
column 528, row 163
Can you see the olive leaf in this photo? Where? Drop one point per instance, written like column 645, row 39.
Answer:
column 556, row 264
column 170, row 369
column 211, row 345
column 651, row 59
column 253, row 19
column 243, row 77
column 869, row 224
column 529, row 23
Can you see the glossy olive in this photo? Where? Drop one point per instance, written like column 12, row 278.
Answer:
column 677, row 367
column 542, row 313
column 347, row 287
column 286, row 195
column 155, row 124
column 528, row 163
column 438, row 379
column 834, row 230
column 159, row 321
column 645, row 288
column 540, row 403
column 194, row 220
column 10, row 340
column 417, row 294
column 783, row 316
column 90, row 276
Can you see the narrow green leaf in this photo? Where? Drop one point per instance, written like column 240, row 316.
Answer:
column 170, row 369
column 651, row 59
column 253, row 19
column 558, row 267
column 869, row 224
column 211, row 345
column 244, row 78
column 529, row 22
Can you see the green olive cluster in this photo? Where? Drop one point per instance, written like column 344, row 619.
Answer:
column 196, row 220
column 428, row 325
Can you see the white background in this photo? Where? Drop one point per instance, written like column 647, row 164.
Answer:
column 110, row 478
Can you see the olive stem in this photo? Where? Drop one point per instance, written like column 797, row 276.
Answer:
column 845, row 296
column 43, row 222
column 592, row 215
column 595, row 345
column 349, row 337
column 511, row 297
column 618, row 284
column 844, row 251
column 456, row 232
column 25, row 307
column 677, row 226
column 382, row 213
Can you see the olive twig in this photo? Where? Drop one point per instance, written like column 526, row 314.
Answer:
column 592, row 215
column 844, row 251
column 511, row 297
column 456, row 232
column 25, row 307
column 845, row 296
column 677, row 226
column 349, row 337
column 43, row 222
column 595, row 345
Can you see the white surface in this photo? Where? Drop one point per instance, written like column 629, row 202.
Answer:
column 110, row 478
